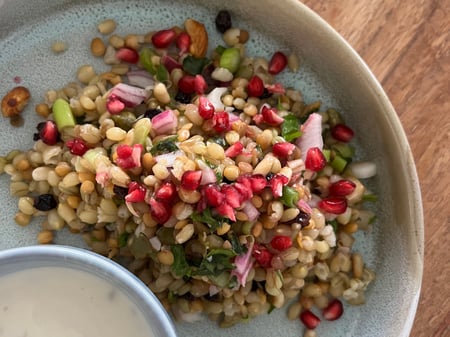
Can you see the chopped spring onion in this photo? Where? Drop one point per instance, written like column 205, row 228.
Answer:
column 62, row 114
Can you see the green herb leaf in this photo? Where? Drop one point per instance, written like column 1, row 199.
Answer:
column 165, row 145
column 289, row 197
column 145, row 58
column 180, row 266
column 236, row 245
column 213, row 221
column 370, row 197
column 334, row 224
column 216, row 262
column 123, row 239
column 162, row 74
column 194, row 65
column 290, row 128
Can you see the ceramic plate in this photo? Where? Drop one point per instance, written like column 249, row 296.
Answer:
column 331, row 71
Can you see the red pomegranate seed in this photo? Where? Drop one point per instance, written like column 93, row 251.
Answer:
column 213, row 195
column 244, row 189
column 159, row 211
column 234, row 150
column 163, row 38
column 341, row 188
column 262, row 256
column 255, row 86
column 221, row 121
column 183, row 42
column 48, row 132
column 136, row 195
column 276, row 184
column 170, row 63
column 277, row 63
column 334, row 205
column 276, row 88
column 186, row 84
column 232, row 196
column 270, row 116
column 310, row 320
column 200, row 84
column 124, row 151
column 127, row 55
column 77, row 146
column 205, row 108
column 283, row 149
column 258, row 182
column 342, row 133
column 190, row 180
column 166, row 192
column 281, row 242
column 226, row 210
column 333, row 311
column 315, row 160
column 114, row 105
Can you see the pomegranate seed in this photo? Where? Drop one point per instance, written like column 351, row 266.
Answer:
column 315, row 160
column 258, row 182
column 170, row 63
column 262, row 256
column 255, row 86
column 114, row 105
column 183, row 42
column 270, row 116
column 213, row 195
column 200, row 85
column 48, row 132
column 159, row 211
column 136, row 195
column 277, row 63
column 166, row 192
column 77, row 146
column 225, row 209
column 127, row 55
column 276, row 184
column 244, row 189
column 281, row 242
column 276, row 88
column 342, row 133
column 221, row 121
column 163, row 38
column 333, row 311
column 283, row 149
column 232, row 196
column 310, row 320
column 341, row 188
column 129, row 157
column 124, row 151
column 190, row 180
column 186, row 84
column 334, row 205
column 205, row 108
column 234, row 150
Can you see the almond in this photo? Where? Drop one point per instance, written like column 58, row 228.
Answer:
column 199, row 37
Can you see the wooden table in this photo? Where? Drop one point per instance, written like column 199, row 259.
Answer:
column 407, row 46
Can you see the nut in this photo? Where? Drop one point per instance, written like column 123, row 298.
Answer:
column 15, row 101
column 199, row 37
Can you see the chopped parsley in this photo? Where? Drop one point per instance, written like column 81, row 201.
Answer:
column 165, row 145
column 290, row 128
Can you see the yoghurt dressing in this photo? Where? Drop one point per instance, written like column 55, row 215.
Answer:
column 63, row 302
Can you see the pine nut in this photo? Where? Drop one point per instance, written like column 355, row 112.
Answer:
column 98, row 47
column 106, row 26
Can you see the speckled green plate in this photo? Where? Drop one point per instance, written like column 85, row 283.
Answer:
column 331, row 71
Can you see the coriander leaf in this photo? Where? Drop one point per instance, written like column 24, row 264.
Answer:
column 180, row 266
column 334, row 224
column 237, row 247
column 162, row 75
column 216, row 262
column 194, row 65
column 165, row 145
column 213, row 221
column 123, row 239
column 290, row 128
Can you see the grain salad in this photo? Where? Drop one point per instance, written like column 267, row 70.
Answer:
column 190, row 163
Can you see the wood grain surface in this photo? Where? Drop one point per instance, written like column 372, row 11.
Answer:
column 407, row 46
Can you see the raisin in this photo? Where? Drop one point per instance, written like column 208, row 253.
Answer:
column 303, row 219
column 183, row 97
column 45, row 202
column 152, row 113
column 120, row 191
column 223, row 21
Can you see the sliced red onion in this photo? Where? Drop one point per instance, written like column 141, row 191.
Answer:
column 215, row 97
column 311, row 134
column 250, row 210
column 164, row 122
column 243, row 265
column 363, row 169
column 303, row 206
column 233, row 117
column 170, row 63
column 208, row 174
column 213, row 290
column 130, row 95
column 140, row 78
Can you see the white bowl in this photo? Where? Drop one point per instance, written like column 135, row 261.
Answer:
column 100, row 276
column 331, row 71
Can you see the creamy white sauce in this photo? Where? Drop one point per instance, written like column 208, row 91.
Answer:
column 62, row 302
